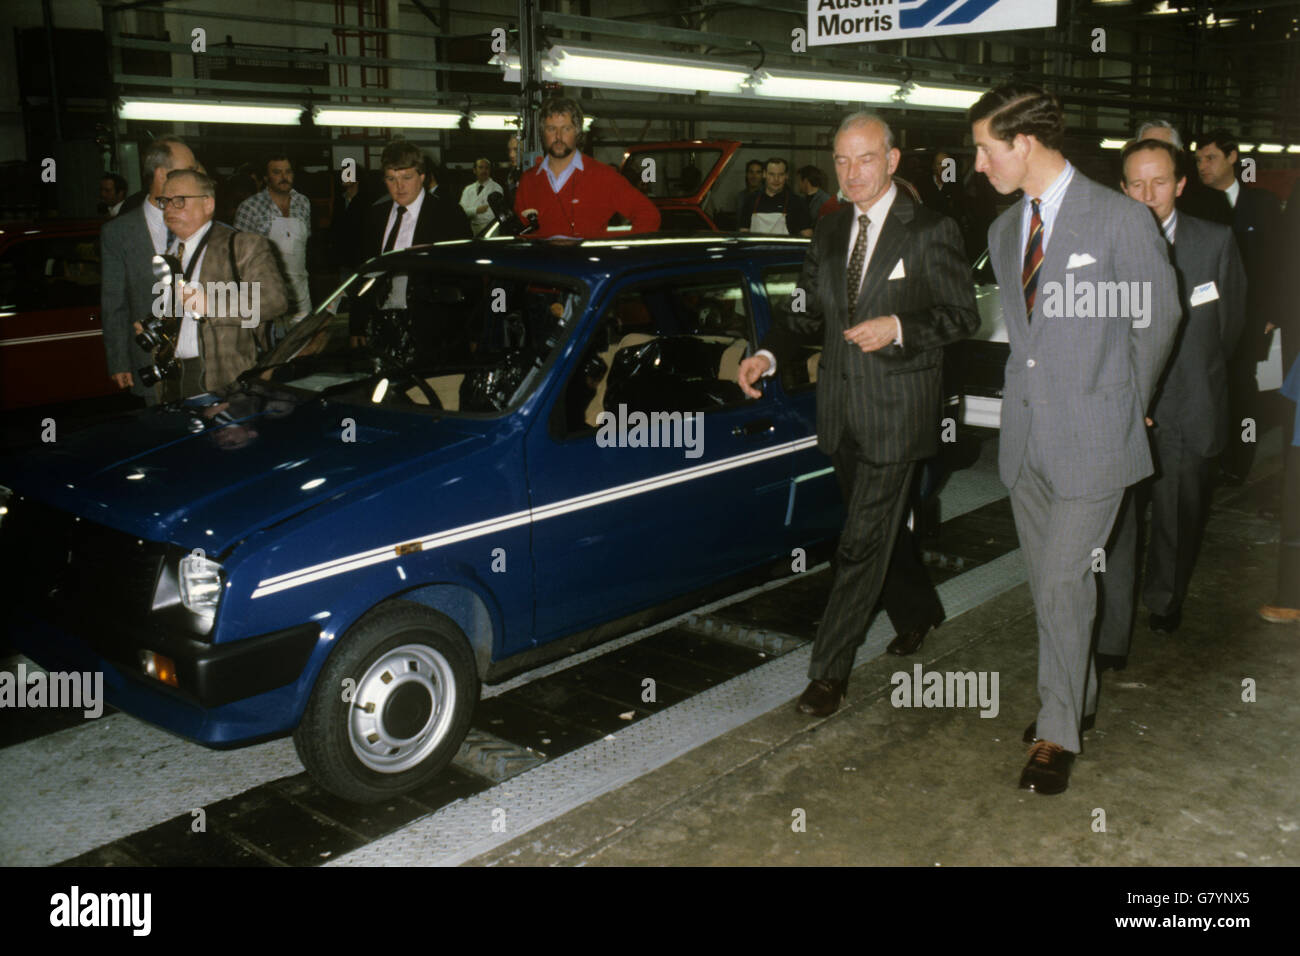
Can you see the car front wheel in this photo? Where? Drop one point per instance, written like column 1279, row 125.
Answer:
column 391, row 705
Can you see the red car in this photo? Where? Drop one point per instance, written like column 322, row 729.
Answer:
column 51, row 341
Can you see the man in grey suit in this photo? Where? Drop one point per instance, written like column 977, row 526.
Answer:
column 128, row 243
column 1190, row 417
column 886, row 286
column 1091, row 307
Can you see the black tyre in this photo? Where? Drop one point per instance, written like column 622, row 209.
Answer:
column 413, row 687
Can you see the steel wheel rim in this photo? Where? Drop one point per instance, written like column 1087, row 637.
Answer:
column 413, row 674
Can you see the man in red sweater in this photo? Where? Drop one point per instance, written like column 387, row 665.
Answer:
column 573, row 194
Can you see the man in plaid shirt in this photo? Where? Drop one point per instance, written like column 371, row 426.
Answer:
column 283, row 215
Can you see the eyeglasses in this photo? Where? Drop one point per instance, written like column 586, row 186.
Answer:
column 177, row 201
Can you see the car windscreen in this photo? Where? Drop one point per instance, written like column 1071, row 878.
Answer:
column 673, row 173
column 424, row 335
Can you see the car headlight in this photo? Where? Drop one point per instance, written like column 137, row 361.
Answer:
column 200, row 584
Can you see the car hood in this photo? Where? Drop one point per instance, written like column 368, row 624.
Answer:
column 208, row 476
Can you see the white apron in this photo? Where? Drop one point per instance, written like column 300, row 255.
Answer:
column 290, row 236
column 771, row 223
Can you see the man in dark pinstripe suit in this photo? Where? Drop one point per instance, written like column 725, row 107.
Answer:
column 887, row 286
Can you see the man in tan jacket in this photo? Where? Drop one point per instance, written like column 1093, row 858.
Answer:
column 233, row 290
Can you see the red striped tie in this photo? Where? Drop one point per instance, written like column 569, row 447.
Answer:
column 1033, row 260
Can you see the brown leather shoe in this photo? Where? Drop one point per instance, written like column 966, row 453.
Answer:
column 1279, row 615
column 1030, row 735
column 909, row 642
column 822, row 698
column 1048, row 769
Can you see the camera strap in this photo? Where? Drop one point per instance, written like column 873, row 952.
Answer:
column 195, row 256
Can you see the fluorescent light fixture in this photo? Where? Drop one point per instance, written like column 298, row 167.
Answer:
column 1293, row 149
column 173, row 111
column 501, row 122
column 810, row 86
column 942, row 97
column 608, row 70
column 1270, row 147
column 582, row 67
column 1245, row 147
column 394, row 119
column 1114, row 143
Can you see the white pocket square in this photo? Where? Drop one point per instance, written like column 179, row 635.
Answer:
column 1078, row 259
column 898, row 272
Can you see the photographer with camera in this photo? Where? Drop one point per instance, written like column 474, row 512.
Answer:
column 128, row 242
column 232, row 292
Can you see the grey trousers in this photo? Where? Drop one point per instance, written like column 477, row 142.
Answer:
column 1058, row 536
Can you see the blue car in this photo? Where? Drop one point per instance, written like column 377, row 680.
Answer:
column 474, row 458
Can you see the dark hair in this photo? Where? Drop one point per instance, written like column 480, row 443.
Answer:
column 777, row 159
column 1157, row 144
column 813, row 175
column 400, row 154
column 205, row 183
column 273, row 158
column 1221, row 138
column 1018, row 108
column 119, row 182
column 754, row 162
column 558, row 105
column 158, row 154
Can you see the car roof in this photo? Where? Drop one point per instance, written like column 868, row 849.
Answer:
column 18, row 230
column 588, row 257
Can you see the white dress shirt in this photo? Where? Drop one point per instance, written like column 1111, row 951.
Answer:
column 476, row 194
column 1233, row 192
column 405, row 234
column 187, row 345
column 876, row 213
column 1049, row 204
column 405, row 239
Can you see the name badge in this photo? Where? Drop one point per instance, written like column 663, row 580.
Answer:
column 1203, row 293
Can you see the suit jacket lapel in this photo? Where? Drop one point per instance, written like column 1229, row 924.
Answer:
column 1009, row 257
column 1063, row 241
column 889, row 244
column 837, row 267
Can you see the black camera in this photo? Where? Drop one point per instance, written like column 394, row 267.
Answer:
column 159, row 334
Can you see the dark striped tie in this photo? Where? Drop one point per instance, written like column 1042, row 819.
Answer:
column 856, row 262
column 1033, row 260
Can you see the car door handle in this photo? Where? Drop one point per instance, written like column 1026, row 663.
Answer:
column 755, row 427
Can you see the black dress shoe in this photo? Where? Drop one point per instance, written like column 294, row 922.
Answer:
column 1030, row 735
column 909, row 642
column 1048, row 769
column 1111, row 662
column 1166, row 623
column 822, row 698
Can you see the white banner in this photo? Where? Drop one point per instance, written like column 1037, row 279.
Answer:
column 867, row 21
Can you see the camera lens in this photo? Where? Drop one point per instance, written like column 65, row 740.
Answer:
column 149, row 375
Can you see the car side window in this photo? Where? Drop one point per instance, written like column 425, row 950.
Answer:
column 50, row 273
column 671, row 346
column 780, row 283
